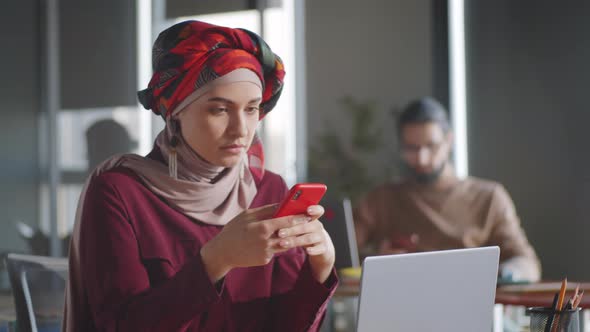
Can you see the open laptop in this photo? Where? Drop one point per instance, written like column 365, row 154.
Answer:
column 443, row 291
column 338, row 222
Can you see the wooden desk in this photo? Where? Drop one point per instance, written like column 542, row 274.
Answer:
column 539, row 294
column 527, row 295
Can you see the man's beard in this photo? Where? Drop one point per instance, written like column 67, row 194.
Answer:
column 425, row 178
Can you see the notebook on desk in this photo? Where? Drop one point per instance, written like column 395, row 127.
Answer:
column 444, row 291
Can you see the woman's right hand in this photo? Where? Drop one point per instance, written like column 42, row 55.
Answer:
column 247, row 240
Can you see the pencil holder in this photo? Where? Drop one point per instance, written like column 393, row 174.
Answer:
column 550, row 320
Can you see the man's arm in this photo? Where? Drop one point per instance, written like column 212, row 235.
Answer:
column 517, row 256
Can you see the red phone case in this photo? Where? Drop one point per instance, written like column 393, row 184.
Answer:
column 300, row 197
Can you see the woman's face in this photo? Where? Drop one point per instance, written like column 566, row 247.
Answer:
column 220, row 125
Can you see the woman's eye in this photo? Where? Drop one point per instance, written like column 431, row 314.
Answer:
column 252, row 109
column 217, row 110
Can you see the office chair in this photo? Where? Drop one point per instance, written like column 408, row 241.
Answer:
column 38, row 285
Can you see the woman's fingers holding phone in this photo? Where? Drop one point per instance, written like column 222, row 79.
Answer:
column 301, row 235
column 274, row 226
column 319, row 248
column 294, row 230
column 315, row 211
column 259, row 213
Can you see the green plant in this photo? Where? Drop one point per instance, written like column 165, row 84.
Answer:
column 339, row 159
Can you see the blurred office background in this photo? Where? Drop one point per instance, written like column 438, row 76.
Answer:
column 67, row 65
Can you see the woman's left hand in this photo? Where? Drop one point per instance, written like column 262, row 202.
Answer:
column 315, row 240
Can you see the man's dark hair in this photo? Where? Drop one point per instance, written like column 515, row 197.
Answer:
column 423, row 110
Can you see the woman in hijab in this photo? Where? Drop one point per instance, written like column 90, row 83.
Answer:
column 183, row 239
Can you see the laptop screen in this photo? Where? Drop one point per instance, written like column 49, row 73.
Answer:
column 451, row 290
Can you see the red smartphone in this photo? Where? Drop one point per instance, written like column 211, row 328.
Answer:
column 301, row 196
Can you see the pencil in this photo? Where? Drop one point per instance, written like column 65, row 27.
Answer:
column 561, row 294
column 550, row 319
column 576, row 291
column 578, row 299
column 559, row 305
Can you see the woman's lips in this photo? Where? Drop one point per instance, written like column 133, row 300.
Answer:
column 233, row 148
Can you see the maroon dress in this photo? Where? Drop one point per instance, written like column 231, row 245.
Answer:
column 135, row 266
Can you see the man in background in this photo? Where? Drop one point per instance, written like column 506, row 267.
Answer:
column 433, row 209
